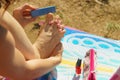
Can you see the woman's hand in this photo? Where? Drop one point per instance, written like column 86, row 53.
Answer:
column 22, row 14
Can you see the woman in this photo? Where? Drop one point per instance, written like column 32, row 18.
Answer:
column 19, row 59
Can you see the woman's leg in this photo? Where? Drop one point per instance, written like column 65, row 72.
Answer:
column 22, row 42
column 52, row 33
column 13, row 64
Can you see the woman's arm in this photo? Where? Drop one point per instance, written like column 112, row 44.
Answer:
column 13, row 64
column 21, row 40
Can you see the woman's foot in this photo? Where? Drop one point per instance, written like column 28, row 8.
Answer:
column 50, row 35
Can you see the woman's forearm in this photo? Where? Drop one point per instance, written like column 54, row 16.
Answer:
column 43, row 66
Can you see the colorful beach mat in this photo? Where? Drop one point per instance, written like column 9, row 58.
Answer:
column 76, row 43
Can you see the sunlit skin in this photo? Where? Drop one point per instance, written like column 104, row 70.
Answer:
column 22, row 60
